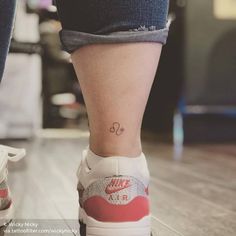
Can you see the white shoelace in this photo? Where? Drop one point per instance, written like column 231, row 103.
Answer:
column 9, row 154
column 12, row 154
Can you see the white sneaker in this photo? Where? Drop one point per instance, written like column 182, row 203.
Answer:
column 6, row 205
column 113, row 195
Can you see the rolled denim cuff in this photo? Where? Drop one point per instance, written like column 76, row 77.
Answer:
column 73, row 40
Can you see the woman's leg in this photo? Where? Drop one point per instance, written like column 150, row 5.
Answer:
column 116, row 80
column 7, row 10
column 115, row 48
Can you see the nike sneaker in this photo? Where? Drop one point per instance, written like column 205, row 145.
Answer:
column 113, row 195
column 6, row 205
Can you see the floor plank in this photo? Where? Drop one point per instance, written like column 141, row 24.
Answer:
column 191, row 183
column 214, row 167
column 189, row 214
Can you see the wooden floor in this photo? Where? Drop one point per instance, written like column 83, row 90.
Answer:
column 195, row 196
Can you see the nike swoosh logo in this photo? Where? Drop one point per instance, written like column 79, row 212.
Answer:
column 110, row 190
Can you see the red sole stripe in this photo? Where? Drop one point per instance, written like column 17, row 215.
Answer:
column 101, row 210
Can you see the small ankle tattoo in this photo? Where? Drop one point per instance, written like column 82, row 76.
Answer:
column 117, row 129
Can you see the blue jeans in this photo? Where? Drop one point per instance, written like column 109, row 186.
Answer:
column 112, row 21
column 7, row 10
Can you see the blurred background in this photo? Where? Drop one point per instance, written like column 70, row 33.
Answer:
column 193, row 101
column 190, row 117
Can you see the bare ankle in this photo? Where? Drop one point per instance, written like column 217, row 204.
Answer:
column 108, row 150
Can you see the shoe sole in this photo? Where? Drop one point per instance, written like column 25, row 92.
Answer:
column 92, row 227
column 6, row 215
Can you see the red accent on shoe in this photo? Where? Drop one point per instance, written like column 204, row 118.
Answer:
column 3, row 193
column 101, row 210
